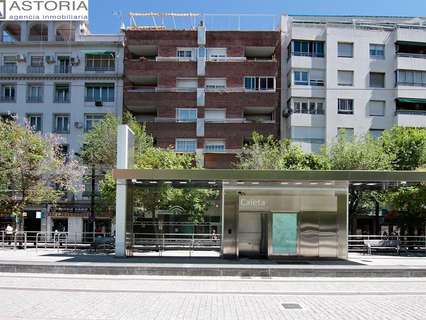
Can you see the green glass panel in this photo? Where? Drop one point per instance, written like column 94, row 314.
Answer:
column 284, row 233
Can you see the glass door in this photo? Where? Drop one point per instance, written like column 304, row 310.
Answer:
column 284, row 234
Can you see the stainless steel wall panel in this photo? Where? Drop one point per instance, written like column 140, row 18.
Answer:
column 308, row 234
column 328, row 234
column 249, row 233
column 230, row 232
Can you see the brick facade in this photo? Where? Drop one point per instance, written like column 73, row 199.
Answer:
column 151, row 93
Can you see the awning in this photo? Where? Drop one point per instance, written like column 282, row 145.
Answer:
column 98, row 53
column 411, row 43
column 411, row 100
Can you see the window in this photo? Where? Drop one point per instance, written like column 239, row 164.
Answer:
column 377, row 51
column 9, row 60
column 376, row 133
column 345, row 78
column 411, row 78
column 259, row 83
column 307, row 48
column 215, row 83
column 345, row 106
column 301, row 78
column 100, row 62
column 216, row 53
column 214, row 146
column 187, row 84
column 377, row 108
column 310, row 106
column 186, row 115
column 347, row 132
column 184, row 53
column 35, row 93
column 8, row 93
column 308, row 134
column 186, row 145
column 103, row 92
column 61, row 123
column 377, row 80
column 90, row 120
column 215, row 115
column 345, row 50
column 62, row 93
column 63, row 65
column 35, row 122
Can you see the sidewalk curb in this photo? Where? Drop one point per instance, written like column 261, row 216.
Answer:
column 238, row 271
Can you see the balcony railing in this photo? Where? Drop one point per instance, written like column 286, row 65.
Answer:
column 103, row 99
column 411, row 55
column 99, row 69
column 35, row 69
column 35, row 99
column 41, row 37
column 9, row 68
column 7, row 99
column 62, row 69
column 62, row 38
column 410, row 112
column 61, row 99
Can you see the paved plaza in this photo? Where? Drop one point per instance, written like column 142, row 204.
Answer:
column 25, row 296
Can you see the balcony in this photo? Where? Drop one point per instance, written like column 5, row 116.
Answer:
column 62, row 99
column 38, row 38
column 35, row 69
column 236, row 134
column 138, row 98
column 7, row 99
column 224, row 69
column 410, row 119
column 35, row 99
column 9, row 69
column 99, row 69
column 103, row 99
column 63, row 69
column 136, row 69
column 238, row 98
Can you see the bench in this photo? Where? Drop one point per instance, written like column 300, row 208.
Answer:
column 393, row 245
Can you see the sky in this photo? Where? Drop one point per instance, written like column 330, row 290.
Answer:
column 102, row 19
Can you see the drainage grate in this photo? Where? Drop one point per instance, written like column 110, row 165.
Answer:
column 291, row 306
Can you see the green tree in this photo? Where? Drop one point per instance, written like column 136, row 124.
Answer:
column 34, row 170
column 359, row 153
column 407, row 146
column 269, row 153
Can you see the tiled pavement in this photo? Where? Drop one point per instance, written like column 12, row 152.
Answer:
column 136, row 297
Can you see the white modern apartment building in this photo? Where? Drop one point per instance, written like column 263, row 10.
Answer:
column 362, row 74
column 59, row 78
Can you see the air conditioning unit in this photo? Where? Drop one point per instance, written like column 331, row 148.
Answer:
column 20, row 58
column 99, row 104
column 50, row 59
column 78, row 125
column 75, row 61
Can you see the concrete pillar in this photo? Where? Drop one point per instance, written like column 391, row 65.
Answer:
column 125, row 156
column 51, row 31
column 24, row 31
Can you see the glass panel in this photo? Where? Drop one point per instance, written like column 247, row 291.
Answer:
column 284, row 233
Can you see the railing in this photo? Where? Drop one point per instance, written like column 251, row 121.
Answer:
column 9, row 68
column 176, row 241
column 172, row 89
column 411, row 113
column 7, row 99
column 41, row 37
column 63, row 69
column 99, row 69
column 408, row 243
column 35, row 69
column 411, row 55
column 103, row 99
column 61, row 99
column 35, row 99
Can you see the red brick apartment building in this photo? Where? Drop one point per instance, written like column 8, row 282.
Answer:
column 203, row 91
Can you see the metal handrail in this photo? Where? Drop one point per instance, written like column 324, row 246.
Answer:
column 356, row 242
column 2, row 238
column 25, row 239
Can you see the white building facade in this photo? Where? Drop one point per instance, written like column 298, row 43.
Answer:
column 59, row 78
column 361, row 74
